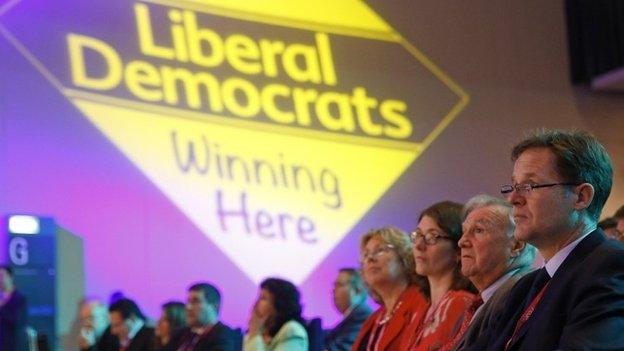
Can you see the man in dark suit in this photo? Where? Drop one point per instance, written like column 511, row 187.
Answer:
column 127, row 324
column 12, row 314
column 204, row 331
column 94, row 334
column 350, row 299
column 492, row 259
column 561, row 181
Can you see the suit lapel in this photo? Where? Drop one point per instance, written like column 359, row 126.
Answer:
column 574, row 259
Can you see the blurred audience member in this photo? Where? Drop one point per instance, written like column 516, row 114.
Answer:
column 127, row 323
column 619, row 215
column 609, row 226
column 275, row 322
column 350, row 300
column 204, row 332
column 115, row 296
column 94, row 333
column 13, row 314
column 388, row 271
column 449, row 293
column 169, row 326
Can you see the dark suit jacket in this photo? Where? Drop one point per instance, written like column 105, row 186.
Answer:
column 219, row 338
column 13, row 323
column 143, row 340
column 343, row 335
column 487, row 319
column 581, row 309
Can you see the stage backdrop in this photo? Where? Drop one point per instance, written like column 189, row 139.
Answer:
column 230, row 141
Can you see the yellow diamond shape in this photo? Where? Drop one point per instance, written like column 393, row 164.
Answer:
column 276, row 199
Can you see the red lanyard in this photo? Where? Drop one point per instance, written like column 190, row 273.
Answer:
column 195, row 338
column 526, row 315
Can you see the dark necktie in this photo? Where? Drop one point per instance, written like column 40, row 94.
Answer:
column 190, row 343
column 540, row 280
column 532, row 300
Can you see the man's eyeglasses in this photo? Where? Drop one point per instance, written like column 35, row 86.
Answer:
column 526, row 188
column 431, row 238
column 376, row 252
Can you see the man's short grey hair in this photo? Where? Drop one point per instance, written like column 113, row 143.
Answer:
column 504, row 208
column 525, row 258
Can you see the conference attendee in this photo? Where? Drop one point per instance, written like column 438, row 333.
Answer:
column 349, row 295
column 389, row 273
column 95, row 334
column 275, row 323
column 448, row 292
column 169, row 326
column 619, row 215
column 560, row 183
column 493, row 260
column 13, row 314
column 204, row 331
column 127, row 323
column 609, row 227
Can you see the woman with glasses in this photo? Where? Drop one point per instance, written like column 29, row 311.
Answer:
column 448, row 292
column 388, row 270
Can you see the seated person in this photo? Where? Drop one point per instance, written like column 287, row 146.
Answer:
column 127, row 323
column 13, row 313
column 94, row 332
column 350, row 300
column 389, row 273
column 204, row 332
column 170, row 324
column 275, row 323
column 449, row 294
column 609, row 226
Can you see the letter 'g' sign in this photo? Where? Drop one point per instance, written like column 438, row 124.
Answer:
column 18, row 251
column 274, row 126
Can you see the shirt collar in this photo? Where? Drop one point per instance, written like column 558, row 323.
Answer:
column 135, row 329
column 487, row 293
column 555, row 262
column 132, row 333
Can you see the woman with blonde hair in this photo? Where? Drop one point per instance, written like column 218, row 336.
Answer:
column 388, row 270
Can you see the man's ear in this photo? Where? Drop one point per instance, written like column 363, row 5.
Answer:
column 584, row 197
column 517, row 247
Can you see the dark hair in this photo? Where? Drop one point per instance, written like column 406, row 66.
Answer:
column 607, row 223
column 580, row 159
column 619, row 214
column 448, row 216
column 126, row 308
column 211, row 294
column 355, row 278
column 285, row 302
column 175, row 314
column 8, row 269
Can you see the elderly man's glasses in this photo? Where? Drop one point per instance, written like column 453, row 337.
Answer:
column 376, row 252
column 526, row 188
column 431, row 238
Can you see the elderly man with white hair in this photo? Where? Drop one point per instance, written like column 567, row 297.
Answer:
column 492, row 259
